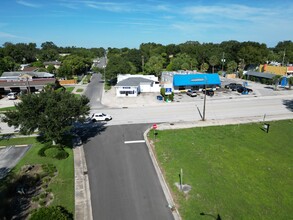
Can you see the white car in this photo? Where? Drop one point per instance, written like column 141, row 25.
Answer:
column 101, row 117
column 12, row 95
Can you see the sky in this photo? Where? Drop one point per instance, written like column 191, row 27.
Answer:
column 129, row 23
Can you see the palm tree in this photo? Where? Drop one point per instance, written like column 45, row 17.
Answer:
column 213, row 61
column 290, row 81
column 276, row 80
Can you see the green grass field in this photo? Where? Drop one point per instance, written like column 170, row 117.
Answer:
column 63, row 185
column 70, row 89
column 7, row 108
column 237, row 171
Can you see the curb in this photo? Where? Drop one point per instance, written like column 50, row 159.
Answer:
column 164, row 185
column 83, row 206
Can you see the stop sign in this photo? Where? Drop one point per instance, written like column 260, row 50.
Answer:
column 155, row 126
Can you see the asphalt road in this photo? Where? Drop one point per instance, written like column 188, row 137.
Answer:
column 251, row 107
column 123, row 181
column 94, row 91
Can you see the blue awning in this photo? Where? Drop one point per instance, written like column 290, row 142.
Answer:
column 196, row 79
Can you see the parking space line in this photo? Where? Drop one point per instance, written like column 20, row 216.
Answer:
column 134, row 142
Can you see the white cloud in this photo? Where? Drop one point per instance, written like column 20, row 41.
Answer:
column 7, row 35
column 109, row 6
column 28, row 4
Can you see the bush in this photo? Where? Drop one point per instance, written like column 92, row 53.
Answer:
column 51, row 213
column 42, row 202
column 62, row 154
column 55, row 151
column 52, row 152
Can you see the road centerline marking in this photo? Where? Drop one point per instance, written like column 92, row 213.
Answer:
column 134, row 142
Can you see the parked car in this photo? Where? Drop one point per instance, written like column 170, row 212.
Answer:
column 12, row 95
column 208, row 92
column 233, row 86
column 244, row 90
column 100, row 117
column 191, row 93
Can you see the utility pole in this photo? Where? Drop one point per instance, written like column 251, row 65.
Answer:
column 142, row 63
column 223, row 61
column 283, row 57
column 105, row 65
column 204, row 101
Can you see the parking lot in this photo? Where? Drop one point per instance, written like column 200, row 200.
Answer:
column 150, row 99
column 9, row 157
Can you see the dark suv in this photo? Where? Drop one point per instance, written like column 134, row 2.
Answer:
column 208, row 92
column 244, row 90
column 233, row 86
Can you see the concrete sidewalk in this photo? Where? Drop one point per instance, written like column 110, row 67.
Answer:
column 83, row 207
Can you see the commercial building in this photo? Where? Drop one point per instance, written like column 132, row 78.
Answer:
column 24, row 81
column 184, row 80
column 131, row 85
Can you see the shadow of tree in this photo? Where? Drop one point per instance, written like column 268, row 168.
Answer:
column 16, row 193
column 87, row 130
column 288, row 104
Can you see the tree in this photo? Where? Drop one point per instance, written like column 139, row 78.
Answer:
column 117, row 65
column 213, row 61
column 73, row 65
column 204, row 67
column 50, row 113
column 290, row 82
column 231, row 67
column 51, row 68
column 276, row 80
column 182, row 61
column 7, row 64
column 154, row 65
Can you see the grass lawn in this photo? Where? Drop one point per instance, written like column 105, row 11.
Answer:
column 237, row 171
column 69, row 89
column 79, row 90
column 63, row 185
column 7, row 108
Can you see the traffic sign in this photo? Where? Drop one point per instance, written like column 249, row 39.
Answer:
column 155, row 126
column 168, row 91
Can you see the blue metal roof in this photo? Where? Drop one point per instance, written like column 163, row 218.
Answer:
column 196, row 79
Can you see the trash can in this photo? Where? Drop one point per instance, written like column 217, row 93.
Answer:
column 160, row 98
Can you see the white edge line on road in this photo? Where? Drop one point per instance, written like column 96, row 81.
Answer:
column 134, row 142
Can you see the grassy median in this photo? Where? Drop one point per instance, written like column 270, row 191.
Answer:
column 236, row 171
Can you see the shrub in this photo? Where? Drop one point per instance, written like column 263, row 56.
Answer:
column 51, row 213
column 35, row 199
column 56, row 151
column 43, row 195
column 42, row 202
column 52, row 152
column 62, row 154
